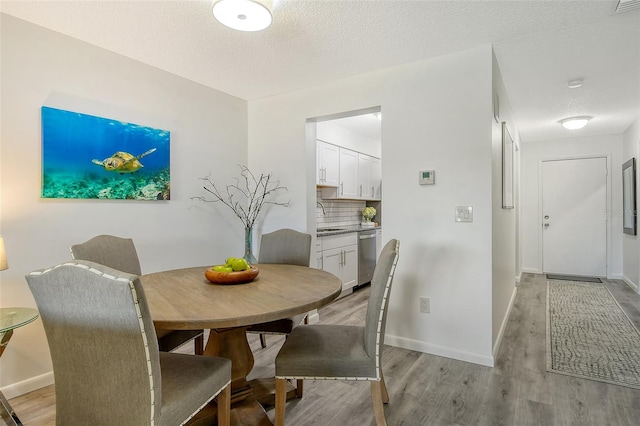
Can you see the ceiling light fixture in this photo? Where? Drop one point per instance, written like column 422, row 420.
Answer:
column 243, row 15
column 575, row 123
column 574, row 84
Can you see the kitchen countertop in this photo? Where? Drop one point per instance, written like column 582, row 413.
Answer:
column 346, row 229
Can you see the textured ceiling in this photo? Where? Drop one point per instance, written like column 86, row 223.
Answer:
column 539, row 45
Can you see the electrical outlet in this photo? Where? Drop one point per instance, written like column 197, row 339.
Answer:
column 425, row 305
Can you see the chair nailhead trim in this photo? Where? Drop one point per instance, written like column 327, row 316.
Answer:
column 139, row 314
column 382, row 310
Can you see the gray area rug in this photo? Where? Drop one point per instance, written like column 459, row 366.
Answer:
column 589, row 335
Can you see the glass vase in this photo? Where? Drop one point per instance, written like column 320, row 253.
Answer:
column 248, row 246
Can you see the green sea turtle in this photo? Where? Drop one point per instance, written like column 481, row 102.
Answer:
column 122, row 162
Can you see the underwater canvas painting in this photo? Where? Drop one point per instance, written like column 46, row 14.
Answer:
column 85, row 156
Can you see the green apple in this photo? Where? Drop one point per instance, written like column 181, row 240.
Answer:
column 239, row 265
column 222, row 268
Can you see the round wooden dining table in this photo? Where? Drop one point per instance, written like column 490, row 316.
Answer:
column 183, row 299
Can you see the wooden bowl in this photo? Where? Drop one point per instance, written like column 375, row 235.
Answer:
column 237, row 277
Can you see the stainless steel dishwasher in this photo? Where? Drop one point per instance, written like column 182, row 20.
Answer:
column 366, row 255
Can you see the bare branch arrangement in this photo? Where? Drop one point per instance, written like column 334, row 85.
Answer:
column 246, row 196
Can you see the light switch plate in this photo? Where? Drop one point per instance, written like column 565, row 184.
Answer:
column 464, row 214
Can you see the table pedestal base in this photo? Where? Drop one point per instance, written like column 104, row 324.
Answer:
column 232, row 343
column 6, row 412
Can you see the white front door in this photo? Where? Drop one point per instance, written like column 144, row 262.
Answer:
column 574, row 216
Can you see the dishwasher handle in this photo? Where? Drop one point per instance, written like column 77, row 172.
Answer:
column 366, row 237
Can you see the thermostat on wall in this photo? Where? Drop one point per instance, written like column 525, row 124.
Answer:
column 427, row 177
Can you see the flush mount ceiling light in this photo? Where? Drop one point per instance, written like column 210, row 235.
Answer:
column 575, row 123
column 574, row 84
column 243, row 15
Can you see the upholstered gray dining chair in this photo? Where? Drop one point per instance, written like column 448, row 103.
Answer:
column 289, row 247
column 106, row 363
column 341, row 352
column 120, row 253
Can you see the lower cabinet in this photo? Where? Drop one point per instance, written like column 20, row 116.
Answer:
column 340, row 257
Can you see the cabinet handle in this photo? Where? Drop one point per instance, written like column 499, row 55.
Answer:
column 373, row 192
column 341, row 188
column 361, row 190
column 324, row 174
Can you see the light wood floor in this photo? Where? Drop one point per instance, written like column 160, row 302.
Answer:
column 430, row 390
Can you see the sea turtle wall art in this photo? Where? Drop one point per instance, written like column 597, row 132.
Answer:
column 85, row 156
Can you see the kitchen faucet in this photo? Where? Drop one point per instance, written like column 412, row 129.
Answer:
column 324, row 213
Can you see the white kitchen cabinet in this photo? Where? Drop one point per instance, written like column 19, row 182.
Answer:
column 327, row 159
column 364, row 174
column 360, row 178
column 375, row 178
column 369, row 177
column 318, row 253
column 340, row 258
column 348, row 174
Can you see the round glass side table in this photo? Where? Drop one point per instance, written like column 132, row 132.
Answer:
column 10, row 319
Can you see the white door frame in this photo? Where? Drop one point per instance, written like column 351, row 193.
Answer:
column 608, row 204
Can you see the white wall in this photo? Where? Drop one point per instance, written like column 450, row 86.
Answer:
column 331, row 132
column 436, row 115
column 532, row 153
column 505, row 253
column 630, row 243
column 208, row 134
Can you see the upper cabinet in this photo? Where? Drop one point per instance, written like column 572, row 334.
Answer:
column 327, row 170
column 359, row 177
column 369, row 177
column 364, row 174
column 375, row 178
column 348, row 174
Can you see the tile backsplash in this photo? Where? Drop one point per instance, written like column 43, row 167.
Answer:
column 338, row 212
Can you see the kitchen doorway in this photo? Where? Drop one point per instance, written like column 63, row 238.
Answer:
column 348, row 163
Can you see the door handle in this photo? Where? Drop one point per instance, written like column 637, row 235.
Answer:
column 546, row 225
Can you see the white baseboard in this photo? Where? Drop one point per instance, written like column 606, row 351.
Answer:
column 503, row 326
column 429, row 348
column 531, row 270
column 519, row 277
column 631, row 284
column 29, row 385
